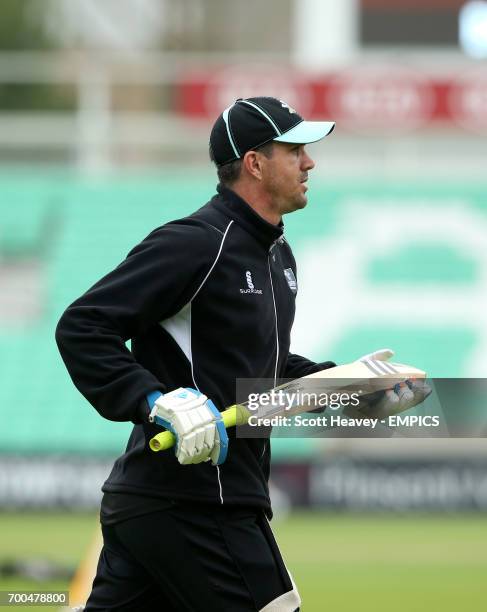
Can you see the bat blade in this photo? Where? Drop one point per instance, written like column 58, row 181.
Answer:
column 359, row 377
column 362, row 377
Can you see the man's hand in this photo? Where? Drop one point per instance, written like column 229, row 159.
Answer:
column 196, row 423
column 401, row 397
column 393, row 401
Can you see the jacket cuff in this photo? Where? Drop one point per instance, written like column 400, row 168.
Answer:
column 145, row 406
column 325, row 365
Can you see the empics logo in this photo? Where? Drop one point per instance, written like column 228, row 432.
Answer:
column 250, row 284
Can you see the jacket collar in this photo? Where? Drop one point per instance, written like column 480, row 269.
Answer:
column 233, row 206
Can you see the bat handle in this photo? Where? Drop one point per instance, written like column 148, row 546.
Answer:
column 235, row 415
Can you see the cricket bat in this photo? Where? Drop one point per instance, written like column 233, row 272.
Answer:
column 362, row 377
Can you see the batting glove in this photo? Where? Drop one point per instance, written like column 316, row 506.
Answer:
column 196, row 423
column 401, row 397
column 380, row 355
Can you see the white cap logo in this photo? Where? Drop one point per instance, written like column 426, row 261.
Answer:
column 289, row 108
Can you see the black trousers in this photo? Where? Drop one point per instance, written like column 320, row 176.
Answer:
column 192, row 558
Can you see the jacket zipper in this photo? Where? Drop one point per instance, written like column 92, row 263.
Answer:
column 277, row 327
column 275, row 311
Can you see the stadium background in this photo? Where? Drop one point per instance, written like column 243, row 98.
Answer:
column 105, row 110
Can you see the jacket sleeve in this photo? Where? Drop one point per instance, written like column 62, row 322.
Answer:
column 158, row 277
column 298, row 366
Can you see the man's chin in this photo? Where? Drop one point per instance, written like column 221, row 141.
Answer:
column 301, row 201
column 297, row 204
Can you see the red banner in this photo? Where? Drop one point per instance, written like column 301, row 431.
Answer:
column 365, row 99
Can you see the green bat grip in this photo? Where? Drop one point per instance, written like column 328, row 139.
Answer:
column 235, row 415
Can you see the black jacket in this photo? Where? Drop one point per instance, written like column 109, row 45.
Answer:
column 205, row 300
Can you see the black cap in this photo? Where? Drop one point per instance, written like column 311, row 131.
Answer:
column 252, row 122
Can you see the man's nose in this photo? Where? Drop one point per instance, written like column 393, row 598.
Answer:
column 307, row 163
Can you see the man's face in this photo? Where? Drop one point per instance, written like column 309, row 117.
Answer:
column 284, row 176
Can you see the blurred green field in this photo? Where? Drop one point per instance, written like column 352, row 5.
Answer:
column 383, row 563
column 60, row 538
column 380, row 563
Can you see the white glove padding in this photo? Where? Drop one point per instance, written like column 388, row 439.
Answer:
column 379, row 355
column 393, row 401
column 196, row 423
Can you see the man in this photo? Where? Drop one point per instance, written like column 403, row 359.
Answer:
column 205, row 300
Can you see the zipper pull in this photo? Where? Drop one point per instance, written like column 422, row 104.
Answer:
column 279, row 240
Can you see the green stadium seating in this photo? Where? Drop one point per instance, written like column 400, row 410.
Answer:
column 80, row 230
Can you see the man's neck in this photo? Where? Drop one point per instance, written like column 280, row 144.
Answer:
column 261, row 203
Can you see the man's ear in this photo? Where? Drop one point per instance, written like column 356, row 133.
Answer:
column 252, row 162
